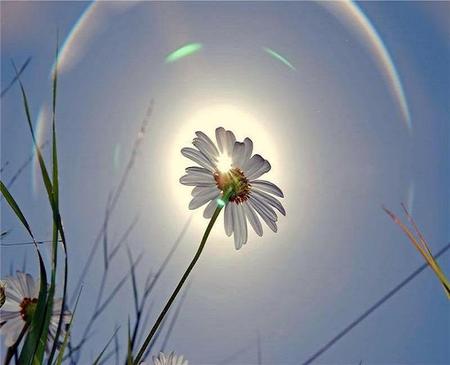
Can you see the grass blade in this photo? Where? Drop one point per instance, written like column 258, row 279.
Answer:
column 45, row 175
column 133, row 282
column 129, row 346
column 99, row 357
column 57, row 221
column 23, row 167
column 14, row 80
column 15, row 207
column 422, row 246
column 60, row 357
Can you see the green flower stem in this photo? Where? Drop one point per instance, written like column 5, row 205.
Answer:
column 155, row 327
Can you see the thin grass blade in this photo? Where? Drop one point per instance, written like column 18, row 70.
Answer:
column 15, row 207
column 421, row 245
column 129, row 346
column 99, row 357
column 60, row 357
column 44, row 171
column 14, row 80
column 133, row 282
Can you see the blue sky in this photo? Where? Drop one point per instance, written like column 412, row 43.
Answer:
column 333, row 131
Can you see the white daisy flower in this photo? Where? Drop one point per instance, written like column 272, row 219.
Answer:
column 21, row 299
column 171, row 359
column 230, row 165
column 2, row 293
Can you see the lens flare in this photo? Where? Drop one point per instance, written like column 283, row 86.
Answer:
column 184, row 51
column 351, row 15
column 279, row 57
column 40, row 129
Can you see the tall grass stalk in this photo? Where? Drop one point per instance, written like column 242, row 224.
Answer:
column 421, row 245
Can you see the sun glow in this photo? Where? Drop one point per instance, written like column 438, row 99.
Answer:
column 224, row 163
column 207, row 119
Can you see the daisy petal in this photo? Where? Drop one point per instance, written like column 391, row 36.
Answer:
column 244, row 236
column 209, row 142
column 237, row 226
column 263, row 214
column 197, row 180
column 195, row 170
column 6, row 315
column 259, row 170
column 238, row 155
column 200, row 200
column 248, row 149
column 252, row 163
column 228, row 220
column 197, row 157
column 231, row 139
column 12, row 297
column 13, row 285
column 253, row 219
column 11, row 330
column 221, row 137
column 12, row 304
column 268, row 187
column 265, row 207
column 255, row 167
column 204, row 148
column 204, row 190
column 210, row 208
column 23, row 282
column 269, row 199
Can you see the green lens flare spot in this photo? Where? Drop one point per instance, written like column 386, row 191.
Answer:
column 220, row 203
column 279, row 57
column 184, row 51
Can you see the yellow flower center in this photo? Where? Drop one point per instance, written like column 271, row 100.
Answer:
column 235, row 179
column 27, row 308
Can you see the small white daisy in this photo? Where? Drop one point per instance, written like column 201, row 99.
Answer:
column 21, row 299
column 171, row 359
column 2, row 293
column 230, row 165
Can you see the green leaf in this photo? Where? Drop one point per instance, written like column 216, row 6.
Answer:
column 54, row 149
column 57, row 224
column 12, row 203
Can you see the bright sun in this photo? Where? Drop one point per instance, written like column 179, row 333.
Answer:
column 224, row 163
